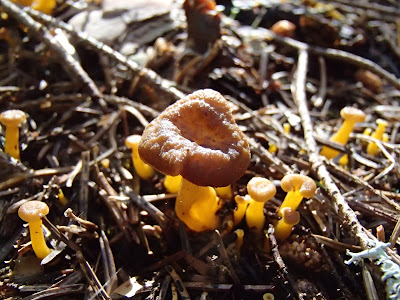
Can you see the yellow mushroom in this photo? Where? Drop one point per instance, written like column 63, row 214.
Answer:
column 297, row 187
column 372, row 147
column 144, row 170
column 351, row 116
column 44, row 6
column 240, row 210
column 260, row 191
column 31, row 212
column 11, row 119
column 284, row 226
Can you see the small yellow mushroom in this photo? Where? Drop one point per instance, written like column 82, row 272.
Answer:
column 30, row 212
column 11, row 119
column 351, row 116
column 372, row 147
column 297, row 186
column 260, row 191
column 240, row 210
column 284, row 226
column 144, row 170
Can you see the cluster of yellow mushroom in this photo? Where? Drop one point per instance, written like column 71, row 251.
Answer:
column 379, row 134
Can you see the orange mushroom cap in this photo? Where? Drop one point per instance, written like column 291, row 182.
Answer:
column 197, row 137
column 351, row 113
column 12, row 117
column 30, row 211
column 304, row 184
column 261, row 189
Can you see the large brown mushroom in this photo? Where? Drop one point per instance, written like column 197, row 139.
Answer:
column 197, row 138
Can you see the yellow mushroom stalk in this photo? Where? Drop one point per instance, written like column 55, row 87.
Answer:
column 241, row 206
column 31, row 212
column 197, row 206
column 11, row 119
column 297, row 187
column 224, row 192
column 350, row 116
column 260, row 191
column 144, row 170
column 284, row 226
column 172, row 183
column 372, row 147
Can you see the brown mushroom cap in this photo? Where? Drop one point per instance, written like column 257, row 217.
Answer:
column 290, row 216
column 304, row 184
column 12, row 117
column 352, row 113
column 261, row 189
column 197, row 138
column 29, row 211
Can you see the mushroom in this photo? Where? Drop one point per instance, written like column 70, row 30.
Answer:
column 240, row 210
column 197, row 138
column 284, row 226
column 379, row 134
column 284, row 28
column 260, row 191
column 351, row 116
column 297, row 186
column 11, row 119
column 142, row 169
column 31, row 212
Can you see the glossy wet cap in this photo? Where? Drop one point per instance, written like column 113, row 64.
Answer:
column 12, row 117
column 30, row 211
column 197, row 138
column 261, row 189
column 304, row 184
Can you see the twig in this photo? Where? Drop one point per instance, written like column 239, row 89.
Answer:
column 316, row 161
column 75, row 70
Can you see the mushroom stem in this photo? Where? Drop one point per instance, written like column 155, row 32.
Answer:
column 341, row 137
column 11, row 144
column 255, row 215
column 241, row 206
column 284, row 226
column 172, row 183
column 293, row 199
column 144, row 170
column 37, row 237
column 372, row 147
column 197, row 205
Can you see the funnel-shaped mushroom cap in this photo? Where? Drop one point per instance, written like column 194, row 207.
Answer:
column 261, row 189
column 30, row 211
column 304, row 184
column 197, row 138
column 352, row 114
column 12, row 117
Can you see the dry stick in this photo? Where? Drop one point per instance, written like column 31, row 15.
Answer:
column 72, row 66
column 365, row 238
column 149, row 76
column 340, row 204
